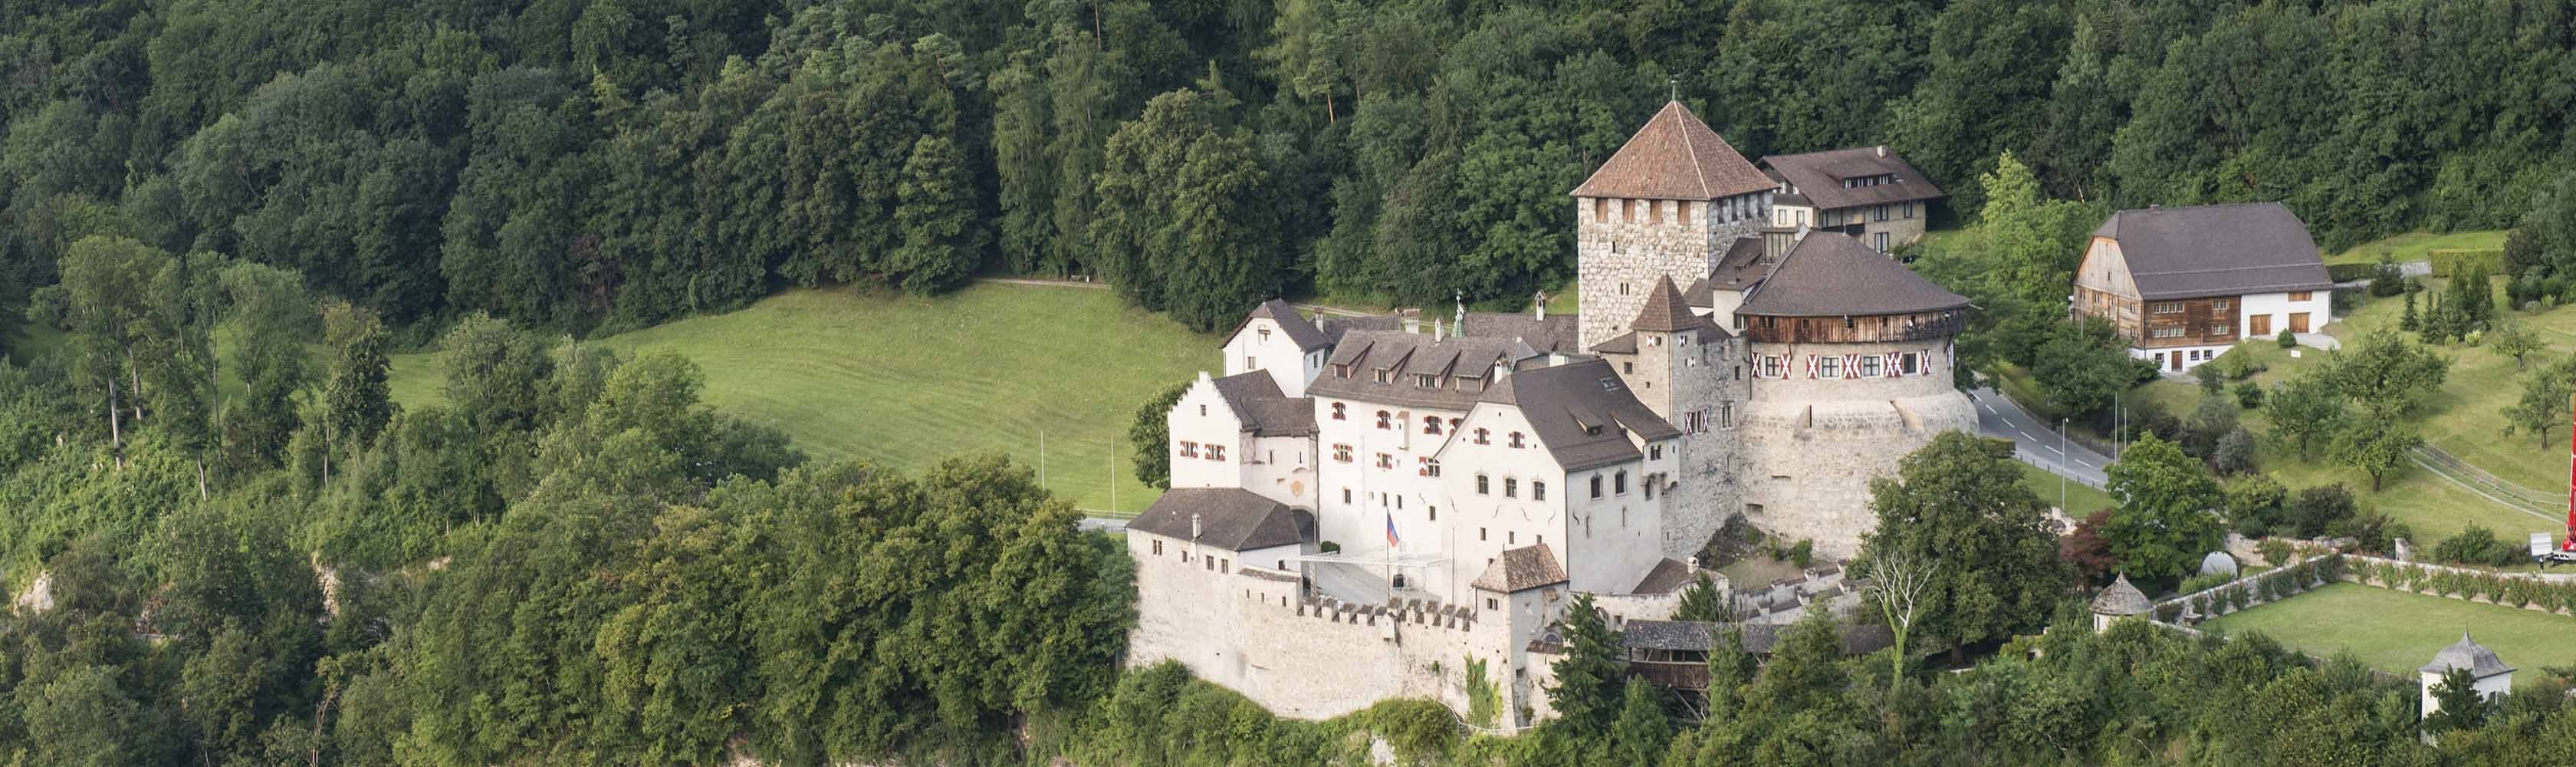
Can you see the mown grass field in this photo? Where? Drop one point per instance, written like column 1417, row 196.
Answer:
column 2464, row 418
column 2364, row 621
column 2419, row 246
column 906, row 381
column 2080, row 499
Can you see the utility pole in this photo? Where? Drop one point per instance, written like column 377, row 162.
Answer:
column 1042, row 483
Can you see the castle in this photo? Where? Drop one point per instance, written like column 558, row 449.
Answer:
column 1372, row 507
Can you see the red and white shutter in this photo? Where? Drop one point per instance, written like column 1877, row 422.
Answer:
column 1851, row 366
column 1811, row 366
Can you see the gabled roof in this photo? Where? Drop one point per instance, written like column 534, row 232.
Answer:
column 1582, row 412
column 1256, row 400
column 2216, row 250
column 2122, row 599
column 1667, row 577
column 1336, row 326
column 1830, row 274
column 1228, row 518
column 2480, row 661
column 1365, row 351
column 1674, row 156
column 1521, row 569
column 1307, row 336
column 1819, row 177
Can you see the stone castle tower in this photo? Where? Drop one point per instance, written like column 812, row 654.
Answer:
column 1664, row 206
column 1810, row 366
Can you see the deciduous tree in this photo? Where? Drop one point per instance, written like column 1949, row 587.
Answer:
column 2166, row 517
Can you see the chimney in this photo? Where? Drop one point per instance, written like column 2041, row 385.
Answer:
column 1538, row 305
column 1439, row 327
column 1413, row 323
column 1882, row 150
column 1194, row 525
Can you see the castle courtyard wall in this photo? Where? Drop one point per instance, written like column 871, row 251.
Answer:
column 1811, row 446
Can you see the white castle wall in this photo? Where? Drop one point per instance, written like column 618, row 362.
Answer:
column 1811, row 446
column 1313, row 659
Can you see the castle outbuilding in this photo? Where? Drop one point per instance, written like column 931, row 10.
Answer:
column 1449, row 488
column 2494, row 678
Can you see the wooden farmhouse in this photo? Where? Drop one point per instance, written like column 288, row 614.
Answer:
column 2184, row 284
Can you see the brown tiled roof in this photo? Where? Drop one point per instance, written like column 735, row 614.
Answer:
column 1307, row 336
column 1829, row 274
column 1471, row 358
column 1665, row 310
column 2216, row 250
column 1674, row 157
column 1255, row 398
column 1229, row 518
column 1582, row 412
column 1521, row 569
column 1819, row 176
column 1624, row 343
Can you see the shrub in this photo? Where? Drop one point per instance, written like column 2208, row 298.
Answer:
column 2200, row 583
column 2236, row 597
column 2209, row 377
column 2166, row 613
column 2316, row 510
column 2275, row 551
column 2477, row 546
column 2200, row 605
column 2288, row 340
column 1802, row 553
column 2235, row 452
column 2249, row 395
column 2449, row 262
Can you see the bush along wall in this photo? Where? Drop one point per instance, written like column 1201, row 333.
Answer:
column 2528, row 592
column 2260, row 588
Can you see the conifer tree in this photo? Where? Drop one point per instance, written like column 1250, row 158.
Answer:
column 1586, row 694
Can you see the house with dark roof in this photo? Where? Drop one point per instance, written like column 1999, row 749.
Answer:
column 2183, row 284
column 1870, row 193
column 1241, row 432
column 1280, row 342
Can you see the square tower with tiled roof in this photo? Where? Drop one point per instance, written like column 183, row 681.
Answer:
column 1663, row 207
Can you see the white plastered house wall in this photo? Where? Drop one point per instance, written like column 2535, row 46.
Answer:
column 1262, row 345
column 1508, row 515
column 1200, row 420
column 2277, row 308
column 1397, row 491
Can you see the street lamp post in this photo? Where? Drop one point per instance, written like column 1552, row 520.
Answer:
column 2062, row 460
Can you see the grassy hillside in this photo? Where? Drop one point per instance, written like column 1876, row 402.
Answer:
column 2465, row 420
column 2419, row 246
column 2346, row 617
column 906, row 380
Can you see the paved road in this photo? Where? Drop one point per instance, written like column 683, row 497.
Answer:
column 2035, row 441
column 1104, row 524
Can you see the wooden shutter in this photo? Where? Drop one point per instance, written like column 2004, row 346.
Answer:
column 1851, row 366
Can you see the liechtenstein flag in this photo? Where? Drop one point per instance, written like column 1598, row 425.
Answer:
column 1390, row 531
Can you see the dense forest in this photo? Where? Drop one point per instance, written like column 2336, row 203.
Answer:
column 227, row 545
column 577, row 165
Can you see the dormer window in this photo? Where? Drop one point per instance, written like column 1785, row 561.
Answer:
column 1341, row 371
column 1426, row 380
column 1609, row 384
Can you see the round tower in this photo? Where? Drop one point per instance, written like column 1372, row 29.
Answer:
column 1850, row 358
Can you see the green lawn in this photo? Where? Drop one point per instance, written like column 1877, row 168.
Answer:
column 2398, row 632
column 2080, row 498
column 2464, row 419
column 906, row 381
column 2419, row 246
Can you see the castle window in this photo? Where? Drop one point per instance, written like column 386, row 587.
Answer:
column 1511, row 538
column 1600, row 210
column 1480, row 535
column 1629, row 368
column 1430, row 468
column 1385, row 461
column 1480, row 437
column 1829, row 366
column 1628, row 210
column 1490, row 604
column 1770, row 369
column 1516, row 440
column 1346, row 495
column 1596, row 486
column 1650, row 495
column 1342, row 453
column 1383, row 419
column 1189, row 450
column 1216, row 452
column 1482, row 485
column 1158, row 547
column 1726, row 415
column 1338, row 410
column 1619, row 483
column 1538, row 490
column 1654, row 211
column 1511, row 487
column 1453, row 424
column 1435, row 513
column 1909, row 210
column 1907, row 363
column 1431, row 424
column 1878, row 213
column 1656, row 452
column 1684, row 209
column 1265, row 333
column 1869, row 365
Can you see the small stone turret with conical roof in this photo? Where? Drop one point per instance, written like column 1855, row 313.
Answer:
column 2493, row 676
column 2119, row 602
